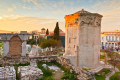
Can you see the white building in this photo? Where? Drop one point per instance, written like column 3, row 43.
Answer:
column 7, row 73
column 110, row 39
column 37, row 34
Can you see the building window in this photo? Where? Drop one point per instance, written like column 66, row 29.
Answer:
column 106, row 37
column 112, row 38
column 69, row 40
column 115, row 38
column 109, row 38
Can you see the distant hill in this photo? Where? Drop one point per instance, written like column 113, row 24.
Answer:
column 4, row 31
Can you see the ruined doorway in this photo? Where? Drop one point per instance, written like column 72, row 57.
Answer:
column 15, row 46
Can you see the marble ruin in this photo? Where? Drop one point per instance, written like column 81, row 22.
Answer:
column 7, row 73
column 31, row 72
column 82, row 45
column 14, row 44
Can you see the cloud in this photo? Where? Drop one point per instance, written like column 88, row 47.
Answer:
column 12, row 8
column 46, row 4
column 111, row 20
column 28, row 23
column 107, row 5
column 36, row 3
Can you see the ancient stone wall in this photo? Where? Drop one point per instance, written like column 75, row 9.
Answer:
column 15, row 46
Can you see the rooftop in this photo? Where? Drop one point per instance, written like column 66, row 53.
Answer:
column 84, row 12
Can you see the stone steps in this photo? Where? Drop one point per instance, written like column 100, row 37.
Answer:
column 96, row 69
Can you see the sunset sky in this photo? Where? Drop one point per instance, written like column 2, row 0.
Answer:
column 17, row 15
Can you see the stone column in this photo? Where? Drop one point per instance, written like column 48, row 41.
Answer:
column 6, row 48
column 24, row 50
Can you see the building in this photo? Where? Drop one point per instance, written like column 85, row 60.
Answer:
column 82, row 38
column 14, row 44
column 61, row 34
column 7, row 73
column 43, row 32
column 110, row 39
column 37, row 34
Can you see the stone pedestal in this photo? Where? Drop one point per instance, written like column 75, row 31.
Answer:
column 82, row 45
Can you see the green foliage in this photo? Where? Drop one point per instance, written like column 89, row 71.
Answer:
column 51, row 43
column 86, row 69
column 1, row 44
column 102, row 74
column 56, row 32
column 31, row 41
column 67, row 74
column 106, row 71
column 99, row 77
column 47, row 74
column 116, row 76
column 102, row 57
column 47, row 32
column 102, row 50
column 45, row 44
column 60, row 54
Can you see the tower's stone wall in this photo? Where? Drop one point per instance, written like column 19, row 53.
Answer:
column 83, row 38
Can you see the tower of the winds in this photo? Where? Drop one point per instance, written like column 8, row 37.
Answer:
column 82, row 40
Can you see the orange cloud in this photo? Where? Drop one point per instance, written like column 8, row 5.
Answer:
column 28, row 24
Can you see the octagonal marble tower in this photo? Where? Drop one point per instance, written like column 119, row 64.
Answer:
column 82, row 41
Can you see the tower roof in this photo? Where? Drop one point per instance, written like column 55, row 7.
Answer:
column 81, row 11
column 43, row 29
column 84, row 12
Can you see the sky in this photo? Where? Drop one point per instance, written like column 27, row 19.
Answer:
column 19, row 15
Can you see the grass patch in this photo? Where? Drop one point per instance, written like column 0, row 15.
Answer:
column 61, row 54
column 67, row 74
column 86, row 69
column 102, row 57
column 47, row 74
column 116, row 76
column 101, row 75
column 105, row 71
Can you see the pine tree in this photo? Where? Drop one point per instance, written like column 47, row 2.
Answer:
column 47, row 32
column 56, row 32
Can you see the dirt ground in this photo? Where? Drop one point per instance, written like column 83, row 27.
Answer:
column 57, row 75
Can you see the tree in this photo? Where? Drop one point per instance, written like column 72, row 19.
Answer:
column 40, row 40
column 45, row 44
column 114, row 58
column 31, row 41
column 58, row 43
column 56, row 32
column 47, row 32
column 51, row 43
